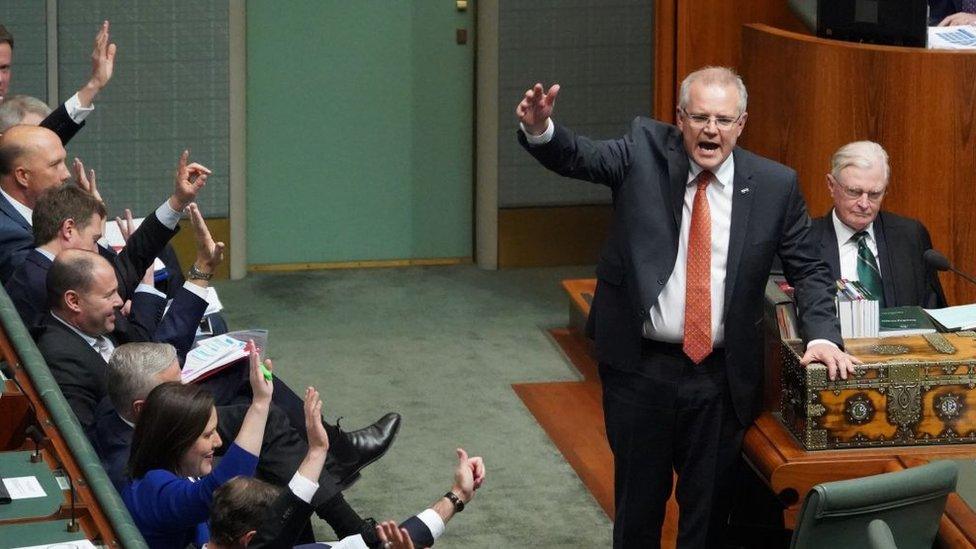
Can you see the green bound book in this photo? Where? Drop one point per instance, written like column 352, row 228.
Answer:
column 910, row 320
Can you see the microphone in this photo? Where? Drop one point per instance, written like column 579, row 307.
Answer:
column 939, row 262
column 73, row 523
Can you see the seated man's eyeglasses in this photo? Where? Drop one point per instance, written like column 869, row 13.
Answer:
column 855, row 193
column 702, row 120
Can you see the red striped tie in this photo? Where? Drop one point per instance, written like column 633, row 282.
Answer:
column 698, row 276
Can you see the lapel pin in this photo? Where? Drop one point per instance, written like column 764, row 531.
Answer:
column 744, row 191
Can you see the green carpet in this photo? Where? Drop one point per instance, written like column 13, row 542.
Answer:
column 442, row 346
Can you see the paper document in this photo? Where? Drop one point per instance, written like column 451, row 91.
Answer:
column 956, row 37
column 961, row 317
column 210, row 355
column 24, row 487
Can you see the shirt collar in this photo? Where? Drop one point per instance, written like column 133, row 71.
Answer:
column 45, row 253
column 127, row 422
column 844, row 233
column 21, row 209
column 723, row 175
column 88, row 339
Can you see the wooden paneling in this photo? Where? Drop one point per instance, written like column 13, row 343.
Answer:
column 186, row 247
column 690, row 34
column 809, row 96
column 542, row 236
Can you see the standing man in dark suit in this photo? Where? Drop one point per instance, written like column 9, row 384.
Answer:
column 678, row 307
column 860, row 242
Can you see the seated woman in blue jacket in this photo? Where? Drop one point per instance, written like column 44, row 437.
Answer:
column 171, row 461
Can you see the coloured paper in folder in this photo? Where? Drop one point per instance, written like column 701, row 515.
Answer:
column 215, row 353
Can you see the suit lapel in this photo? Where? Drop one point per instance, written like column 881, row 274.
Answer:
column 743, row 189
column 7, row 208
column 828, row 245
column 678, row 177
column 884, row 260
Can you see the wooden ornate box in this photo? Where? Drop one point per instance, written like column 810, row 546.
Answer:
column 911, row 390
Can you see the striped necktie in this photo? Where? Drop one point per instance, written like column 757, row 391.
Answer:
column 868, row 273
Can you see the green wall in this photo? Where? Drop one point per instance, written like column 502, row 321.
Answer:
column 359, row 131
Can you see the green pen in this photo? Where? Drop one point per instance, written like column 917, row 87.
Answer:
column 265, row 371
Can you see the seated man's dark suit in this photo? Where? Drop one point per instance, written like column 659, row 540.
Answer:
column 16, row 239
column 901, row 242
column 647, row 171
column 940, row 9
column 27, row 289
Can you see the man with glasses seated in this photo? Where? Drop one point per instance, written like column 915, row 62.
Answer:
column 878, row 248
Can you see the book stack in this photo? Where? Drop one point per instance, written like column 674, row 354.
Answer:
column 904, row 321
column 857, row 310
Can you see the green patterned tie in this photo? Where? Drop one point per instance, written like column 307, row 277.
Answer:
column 867, row 268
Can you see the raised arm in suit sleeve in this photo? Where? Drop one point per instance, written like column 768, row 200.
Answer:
column 807, row 273
column 61, row 123
column 571, row 155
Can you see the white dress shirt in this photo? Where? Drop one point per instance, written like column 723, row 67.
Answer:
column 667, row 317
column 847, row 247
column 23, row 210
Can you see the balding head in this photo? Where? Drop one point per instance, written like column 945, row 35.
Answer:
column 31, row 162
column 82, row 289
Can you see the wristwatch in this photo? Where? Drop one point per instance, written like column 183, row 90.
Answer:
column 458, row 504
column 197, row 274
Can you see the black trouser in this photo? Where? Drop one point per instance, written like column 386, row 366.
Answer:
column 671, row 416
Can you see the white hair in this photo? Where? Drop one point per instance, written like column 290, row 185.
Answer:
column 859, row 154
column 132, row 372
column 16, row 107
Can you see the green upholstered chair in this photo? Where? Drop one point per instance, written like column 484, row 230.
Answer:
column 910, row 502
column 880, row 536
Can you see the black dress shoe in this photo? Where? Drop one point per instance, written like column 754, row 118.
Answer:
column 370, row 443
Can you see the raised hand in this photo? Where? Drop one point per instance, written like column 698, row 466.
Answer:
column 126, row 227
column 536, row 107
column 261, row 388
column 468, row 475
column 103, row 65
column 190, row 178
column 318, row 439
column 86, row 181
column 209, row 253
column 392, row 536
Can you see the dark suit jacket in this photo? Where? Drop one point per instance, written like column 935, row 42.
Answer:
column 76, row 366
column 905, row 277
column 16, row 239
column 940, row 9
column 647, row 171
column 60, row 123
column 27, row 289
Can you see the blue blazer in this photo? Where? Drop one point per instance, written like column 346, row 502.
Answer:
column 172, row 511
column 16, row 239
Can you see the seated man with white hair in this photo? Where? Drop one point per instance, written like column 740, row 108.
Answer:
column 862, row 242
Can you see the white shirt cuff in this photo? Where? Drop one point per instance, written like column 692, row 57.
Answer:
column 149, row 290
column 819, row 341
column 542, row 139
column 76, row 111
column 167, row 215
column 433, row 521
column 303, row 488
column 197, row 290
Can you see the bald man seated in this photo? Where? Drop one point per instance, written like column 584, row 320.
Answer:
column 31, row 162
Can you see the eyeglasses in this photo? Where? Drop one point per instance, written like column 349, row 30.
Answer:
column 854, row 193
column 701, row 120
